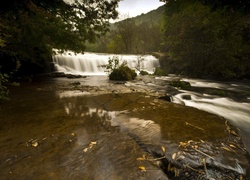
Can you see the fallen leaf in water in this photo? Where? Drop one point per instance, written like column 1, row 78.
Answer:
column 169, row 167
column 227, row 149
column 85, row 150
column 142, row 168
column 234, row 133
column 73, row 134
column 195, row 147
column 202, row 141
column 176, row 172
column 233, row 146
column 183, row 144
column 140, row 159
column 93, row 143
column 163, row 149
column 174, row 156
column 144, row 156
column 34, row 144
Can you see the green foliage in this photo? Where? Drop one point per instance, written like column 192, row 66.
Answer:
column 133, row 35
column 113, row 63
column 119, row 72
column 31, row 29
column 205, row 42
column 160, row 72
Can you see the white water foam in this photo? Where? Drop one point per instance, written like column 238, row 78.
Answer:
column 91, row 63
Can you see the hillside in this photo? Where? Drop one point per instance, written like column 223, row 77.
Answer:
column 152, row 17
column 139, row 34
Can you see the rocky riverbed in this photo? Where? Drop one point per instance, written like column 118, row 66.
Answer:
column 90, row 128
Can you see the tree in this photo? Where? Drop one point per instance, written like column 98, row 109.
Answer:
column 31, row 29
column 205, row 41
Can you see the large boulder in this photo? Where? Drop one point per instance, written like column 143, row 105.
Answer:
column 123, row 73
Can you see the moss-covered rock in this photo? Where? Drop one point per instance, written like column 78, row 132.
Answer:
column 143, row 73
column 180, row 84
column 123, row 73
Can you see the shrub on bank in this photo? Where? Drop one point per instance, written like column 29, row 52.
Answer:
column 119, row 72
column 160, row 72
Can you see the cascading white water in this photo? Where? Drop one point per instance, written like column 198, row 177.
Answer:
column 238, row 113
column 91, row 63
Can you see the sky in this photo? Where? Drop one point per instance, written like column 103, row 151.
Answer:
column 137, row 7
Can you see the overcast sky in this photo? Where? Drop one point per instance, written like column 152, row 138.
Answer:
column 137, row 7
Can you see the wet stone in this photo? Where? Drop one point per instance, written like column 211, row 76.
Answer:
column 95, row 133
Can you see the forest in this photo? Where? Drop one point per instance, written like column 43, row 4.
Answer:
column 199, row 38
column 206, row 39
column 209, row 39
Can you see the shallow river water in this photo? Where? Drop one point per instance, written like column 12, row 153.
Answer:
column 51, row 132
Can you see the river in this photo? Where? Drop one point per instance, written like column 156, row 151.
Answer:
column 234, row 105
column 93, row 128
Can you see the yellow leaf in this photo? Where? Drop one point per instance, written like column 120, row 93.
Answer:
column 144, row 156
column 183, row 144
column 94, row 143
column 140, row 159
column 234, row 133
column 196, row 147
column 90, row 145
column 202, row 141
column 227, row 149
column 142, row 168
column 169, row 167
column 233, row 146
column 163, row 149
column 85, row 150
column 176, row 172
column 174, row 156
column 34, row 144
column 179, row 153
column 73, row 134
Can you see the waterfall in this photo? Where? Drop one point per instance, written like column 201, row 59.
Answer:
column 91, row 63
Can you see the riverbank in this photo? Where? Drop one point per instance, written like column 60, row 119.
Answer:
column 91, row 127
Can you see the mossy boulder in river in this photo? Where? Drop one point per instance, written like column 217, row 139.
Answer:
column 123, row 73
column 180, row 84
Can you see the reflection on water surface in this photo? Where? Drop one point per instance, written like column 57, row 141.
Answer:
column 96, row 136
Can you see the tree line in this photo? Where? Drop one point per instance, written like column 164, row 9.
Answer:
column 201, row 38
column 30, row 31
column 138, row 35
column 207, row 38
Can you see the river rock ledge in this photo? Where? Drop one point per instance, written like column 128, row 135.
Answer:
column 77, row 129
